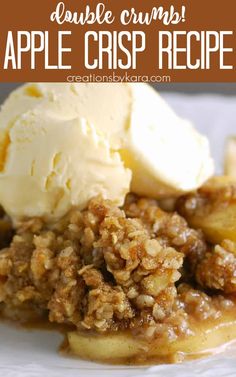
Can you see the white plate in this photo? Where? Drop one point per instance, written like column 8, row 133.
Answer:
column 33, row 353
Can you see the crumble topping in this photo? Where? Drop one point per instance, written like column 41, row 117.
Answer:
column 110, row 269
column 217, row 270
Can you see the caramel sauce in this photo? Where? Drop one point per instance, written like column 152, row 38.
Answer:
column 208, row 338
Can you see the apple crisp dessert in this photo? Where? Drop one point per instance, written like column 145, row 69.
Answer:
column 141, row 283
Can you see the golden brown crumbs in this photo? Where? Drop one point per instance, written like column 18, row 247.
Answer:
column 110, row 269
column 217, row 270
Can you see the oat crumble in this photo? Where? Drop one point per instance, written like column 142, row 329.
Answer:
column 109, row 269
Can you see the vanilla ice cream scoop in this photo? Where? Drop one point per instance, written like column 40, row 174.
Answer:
column 62, row 144
column 166, row 154
column 53, row 163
